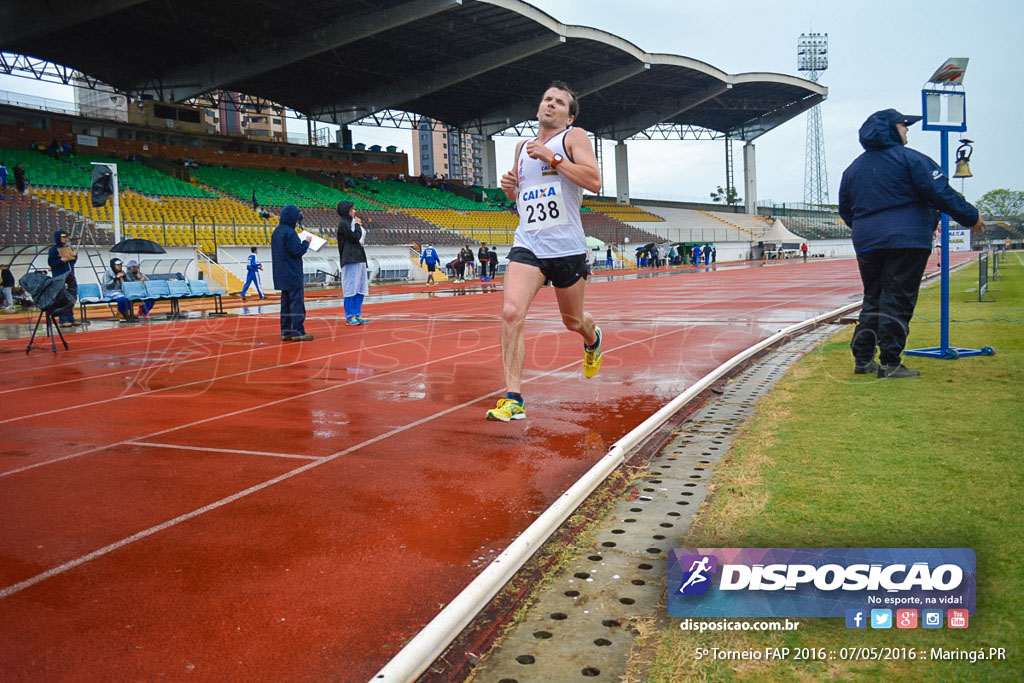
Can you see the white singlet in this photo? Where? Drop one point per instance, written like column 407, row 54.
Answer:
column 548, row 205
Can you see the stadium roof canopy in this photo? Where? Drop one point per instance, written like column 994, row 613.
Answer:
column 480, row 65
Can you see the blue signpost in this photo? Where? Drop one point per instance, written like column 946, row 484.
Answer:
column 943, row 102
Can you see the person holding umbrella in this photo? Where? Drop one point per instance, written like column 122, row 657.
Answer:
column 286, row 250
column 133, row 274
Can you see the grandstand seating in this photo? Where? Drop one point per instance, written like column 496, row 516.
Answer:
column 25, row 220
column 411, row 195
column 142, row 178
column 608, row 229
column 623, row 212
column 275, row 188
column 491, row 227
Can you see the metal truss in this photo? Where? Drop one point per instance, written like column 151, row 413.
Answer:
column 38, row 69
column 24, row 66
column 393, row 118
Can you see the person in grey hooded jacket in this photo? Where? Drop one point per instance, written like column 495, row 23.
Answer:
column 890, row 196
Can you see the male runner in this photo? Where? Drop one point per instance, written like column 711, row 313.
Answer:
column 432, row 259
column 252, row 272
column 547, row 182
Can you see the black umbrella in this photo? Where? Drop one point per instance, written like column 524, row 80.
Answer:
column 646, row 247
column 137, row 246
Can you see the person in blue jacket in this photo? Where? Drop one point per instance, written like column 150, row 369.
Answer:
column 58, row 266
column 890, row 196
column 286, row 250
column 431, row 259
column 252, row 274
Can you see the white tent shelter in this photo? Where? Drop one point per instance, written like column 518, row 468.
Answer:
column 780, row 234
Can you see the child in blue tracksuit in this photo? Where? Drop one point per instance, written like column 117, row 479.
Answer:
column 252, row 274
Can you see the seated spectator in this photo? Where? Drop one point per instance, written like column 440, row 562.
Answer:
column 113, row 286
column 135, row 275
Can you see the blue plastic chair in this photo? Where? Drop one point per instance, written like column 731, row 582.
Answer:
column 177, row 289
column 90, row 293
column 157, row 289
column 135, row 291
column 199, row 287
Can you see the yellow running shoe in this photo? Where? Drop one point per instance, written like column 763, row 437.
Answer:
column 508, row 409
column 592, row 357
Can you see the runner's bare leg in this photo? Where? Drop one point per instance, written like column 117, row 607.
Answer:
column 522, row 282
column 575, row 319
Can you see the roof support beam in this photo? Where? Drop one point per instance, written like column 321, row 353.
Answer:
column 432, row 80
column 752, row 130
column 631, row 125
column 220, row 72
column 21, row 21
column 497, row 121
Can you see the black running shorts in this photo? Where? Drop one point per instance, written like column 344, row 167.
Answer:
column 562, row 272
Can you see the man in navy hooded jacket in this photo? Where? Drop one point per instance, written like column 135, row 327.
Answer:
column 58, row 266
column 890, row 197
column 286, row 250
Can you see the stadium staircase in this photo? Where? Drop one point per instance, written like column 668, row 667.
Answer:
column 732, row 225
column 215, row 272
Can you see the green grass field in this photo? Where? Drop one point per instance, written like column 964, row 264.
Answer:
column 834, row 459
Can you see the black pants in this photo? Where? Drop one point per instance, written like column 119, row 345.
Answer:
column 892, row 279
column 72, row 286
column 293, row 312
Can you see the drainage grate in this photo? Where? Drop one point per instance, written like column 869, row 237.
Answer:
column 579, row 627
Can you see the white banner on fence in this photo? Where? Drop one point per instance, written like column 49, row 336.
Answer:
column 959, row 240
column 88, row 140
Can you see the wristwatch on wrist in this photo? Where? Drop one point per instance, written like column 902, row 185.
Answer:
column 558, row 158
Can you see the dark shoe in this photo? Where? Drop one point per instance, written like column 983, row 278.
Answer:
column 869, row 368
column 302, row 337
column 287, row 337
column 896, row 372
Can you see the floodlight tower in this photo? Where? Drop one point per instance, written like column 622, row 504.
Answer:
column 812, row 60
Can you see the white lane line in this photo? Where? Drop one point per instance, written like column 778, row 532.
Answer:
column 208, row 380
column 240, row 411
column 106, row 550
column 176, row 362
column 232, row 451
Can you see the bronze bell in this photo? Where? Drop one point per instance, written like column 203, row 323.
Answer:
column 963, row 156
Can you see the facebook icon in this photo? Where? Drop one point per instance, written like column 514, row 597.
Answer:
column 856, row 618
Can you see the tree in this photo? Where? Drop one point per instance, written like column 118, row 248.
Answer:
column 1002, row 203
column 730, row 197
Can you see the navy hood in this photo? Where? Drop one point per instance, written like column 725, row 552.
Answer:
column 290, row 215
column 879, row 131
column 56, row 236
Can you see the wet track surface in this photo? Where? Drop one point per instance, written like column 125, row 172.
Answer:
column 198, row 498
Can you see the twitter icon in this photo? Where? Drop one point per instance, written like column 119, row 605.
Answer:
column 881, row 618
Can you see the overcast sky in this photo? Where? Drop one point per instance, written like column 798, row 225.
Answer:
column 880, row 54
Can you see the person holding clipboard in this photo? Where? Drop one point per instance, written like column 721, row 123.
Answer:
column 286, row 250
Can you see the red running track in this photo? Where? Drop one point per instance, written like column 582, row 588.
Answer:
column 198, row 498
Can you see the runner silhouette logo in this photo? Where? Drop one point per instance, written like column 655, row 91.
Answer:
column 696, row 580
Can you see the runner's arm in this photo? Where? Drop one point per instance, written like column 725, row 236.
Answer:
column 510, row 181
column 582, row 170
